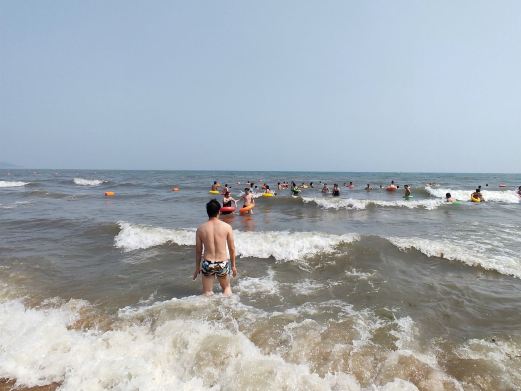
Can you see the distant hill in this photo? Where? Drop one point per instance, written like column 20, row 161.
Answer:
column 8, row 165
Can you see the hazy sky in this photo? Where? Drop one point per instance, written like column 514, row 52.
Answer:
column 262, row 85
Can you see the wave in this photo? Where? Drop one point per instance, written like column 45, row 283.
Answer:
column 355, row 204
column 505, row 196
column 164, row 353
column 12, row 184
column 281, row 245
column 88, row 182
column 467, row 253
column 292, row 246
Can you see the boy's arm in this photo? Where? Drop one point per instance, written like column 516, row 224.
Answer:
column 198, row 253
column 231, row 249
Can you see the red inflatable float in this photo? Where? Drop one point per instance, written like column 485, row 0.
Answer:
column 226, row 210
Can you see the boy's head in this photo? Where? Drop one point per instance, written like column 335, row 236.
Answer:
column 246, row 190
column 212, row 208
column 448, row 195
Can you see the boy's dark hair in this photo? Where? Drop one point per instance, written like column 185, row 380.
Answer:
column 246, row 189
column 447, row 195
column 214, row 182
column 478, row 190
column 213, row 207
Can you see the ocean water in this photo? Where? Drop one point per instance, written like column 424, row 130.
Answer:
column 367, row 291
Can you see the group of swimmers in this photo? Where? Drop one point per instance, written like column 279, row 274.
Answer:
column 247, row 197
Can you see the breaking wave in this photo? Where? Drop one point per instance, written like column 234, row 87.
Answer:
column 44, row 345
column 12, row 183
column 454, row 250
column 506, row 196
column 88, row 182
column 281, row 245
column 351, row 203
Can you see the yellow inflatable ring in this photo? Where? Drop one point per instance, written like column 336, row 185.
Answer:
column 214, row 192
column 474, row 199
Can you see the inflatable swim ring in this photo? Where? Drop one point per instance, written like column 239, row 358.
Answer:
column 109, row 194
column 246, row 209
column 474, row 199
column 214, row 192
column 268, row 194
column 226, row 210
column 391, row 188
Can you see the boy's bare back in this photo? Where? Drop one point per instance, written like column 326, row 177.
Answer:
column 214, row 235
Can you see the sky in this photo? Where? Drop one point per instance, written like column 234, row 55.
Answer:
column 419, row 86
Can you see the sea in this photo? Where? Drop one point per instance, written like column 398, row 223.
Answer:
column 366, row 291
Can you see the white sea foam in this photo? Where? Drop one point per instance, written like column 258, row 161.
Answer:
column 506, row 196
column 308, row 287
column 281, row 245
column 12, row 184
column 501, row 357
column 263, row 286
column 351, row 203
column 470, row 253
column 135, row 237
column 39, row 346
column 88, row 182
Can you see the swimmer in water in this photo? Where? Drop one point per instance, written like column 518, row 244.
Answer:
column 248, row 200
column 336, row 190
column 519, row 191
column 228, row 199
column 325, row 189
column 294, row 189
column 368, row 187
column 477, row 195
column 215, row 186
column 407, row 193
column 449, row 198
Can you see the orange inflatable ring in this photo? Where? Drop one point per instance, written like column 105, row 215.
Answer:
column 246, row 208
column 109, row 194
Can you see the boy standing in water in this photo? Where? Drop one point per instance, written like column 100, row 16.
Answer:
column 211, row 239
column 248, row 199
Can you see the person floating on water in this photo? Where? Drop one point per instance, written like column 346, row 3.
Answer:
column 267, row 190
column 369, row 188
column 336, row 190
column 294, row 189
column 248, row 200
column 449, row 198
column 215, row 186
column 407, row 192
column 228, row 199
column 350, row 185
column 477, row 195
column 211, row 240
column 325, row 189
